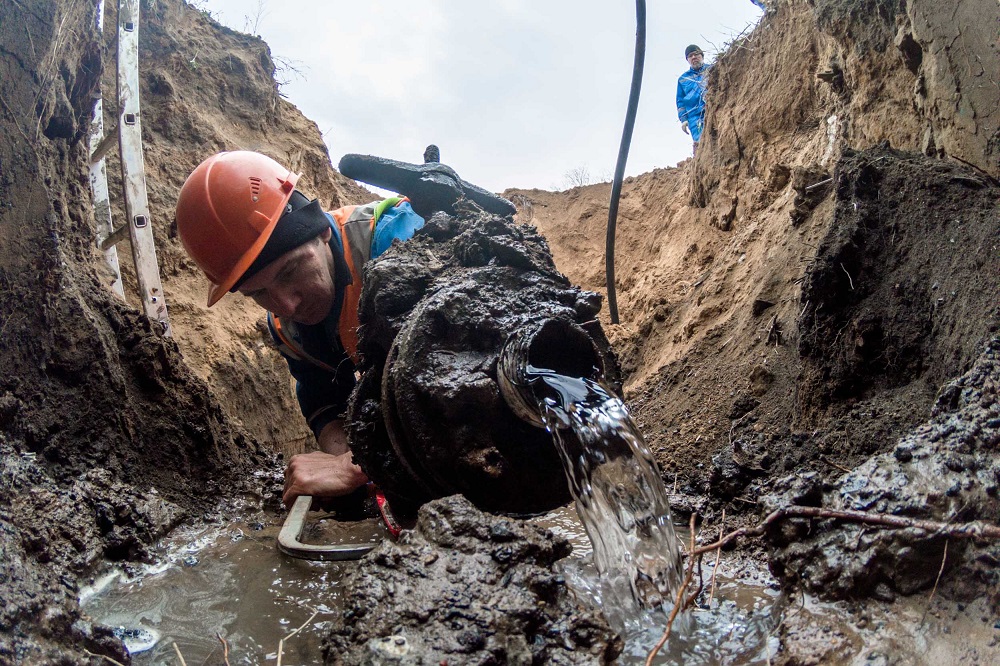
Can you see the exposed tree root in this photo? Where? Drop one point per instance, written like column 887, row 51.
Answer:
column 971, row 530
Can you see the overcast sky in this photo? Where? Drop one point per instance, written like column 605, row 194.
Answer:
column 517, row 93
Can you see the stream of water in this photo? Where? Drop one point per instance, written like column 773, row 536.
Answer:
column 619, row 496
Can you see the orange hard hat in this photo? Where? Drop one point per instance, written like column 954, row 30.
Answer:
column 226, row 211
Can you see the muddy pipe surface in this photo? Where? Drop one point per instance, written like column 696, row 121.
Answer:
column 429, row 417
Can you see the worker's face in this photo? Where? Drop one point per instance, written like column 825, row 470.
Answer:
column 696, row 59
column 298, row 285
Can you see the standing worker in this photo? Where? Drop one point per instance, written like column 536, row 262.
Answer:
column 243, row 222
column 691, row 94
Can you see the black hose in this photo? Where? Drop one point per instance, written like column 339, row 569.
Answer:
column 616, row 186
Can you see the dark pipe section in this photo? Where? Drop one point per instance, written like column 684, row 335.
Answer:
column 558, row 345
column 616, row 186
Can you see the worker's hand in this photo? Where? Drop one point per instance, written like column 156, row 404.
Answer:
column 321, row 475
column 684, row 126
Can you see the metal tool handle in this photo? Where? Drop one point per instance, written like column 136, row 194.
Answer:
column 289, row 544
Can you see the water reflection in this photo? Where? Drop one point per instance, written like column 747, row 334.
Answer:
column 229, row 581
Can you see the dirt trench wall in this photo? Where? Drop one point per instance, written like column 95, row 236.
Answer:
column 906, row 240
column 723, row 262
column 819, row 75
column 107, row 439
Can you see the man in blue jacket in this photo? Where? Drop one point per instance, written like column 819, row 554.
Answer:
column 691, row 93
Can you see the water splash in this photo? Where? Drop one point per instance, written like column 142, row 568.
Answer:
column 619, row 495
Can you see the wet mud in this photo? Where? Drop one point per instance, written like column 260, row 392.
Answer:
column 428, row 418
column 518, row 611
column 946, row 470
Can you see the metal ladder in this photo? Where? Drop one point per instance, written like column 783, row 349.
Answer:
column 138, row 227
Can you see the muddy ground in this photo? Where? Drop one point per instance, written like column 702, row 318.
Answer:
column 809, row 307
column 519, row 612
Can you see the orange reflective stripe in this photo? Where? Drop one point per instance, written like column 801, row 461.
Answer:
column 285, row 340
column 348, row 324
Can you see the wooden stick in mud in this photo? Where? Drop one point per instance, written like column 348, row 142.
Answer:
column 944, row 559
column 677, row 602
column 718, row 556
column 103, row 656
column 179, row 655
column 976, row 529
column 281, row 643
column 225, row 647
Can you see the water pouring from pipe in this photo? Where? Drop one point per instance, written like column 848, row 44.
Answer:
column 551, row 375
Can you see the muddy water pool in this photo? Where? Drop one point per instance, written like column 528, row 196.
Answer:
column 229, row 580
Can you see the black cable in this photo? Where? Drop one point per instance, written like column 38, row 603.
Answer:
column 616, row 186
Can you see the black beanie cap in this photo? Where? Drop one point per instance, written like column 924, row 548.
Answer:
column 302, row 221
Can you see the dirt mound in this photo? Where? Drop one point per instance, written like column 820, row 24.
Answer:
column 527, row 616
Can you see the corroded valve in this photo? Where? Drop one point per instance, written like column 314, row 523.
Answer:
column 429, row 417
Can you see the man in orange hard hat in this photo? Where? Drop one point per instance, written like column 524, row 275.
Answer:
column 243, row 222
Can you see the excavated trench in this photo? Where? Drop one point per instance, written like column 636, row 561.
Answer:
column 788, row 339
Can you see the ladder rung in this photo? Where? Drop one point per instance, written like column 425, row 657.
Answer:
column 115, row 237
column 104, row 146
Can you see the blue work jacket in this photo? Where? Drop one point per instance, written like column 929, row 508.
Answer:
column 691, row 99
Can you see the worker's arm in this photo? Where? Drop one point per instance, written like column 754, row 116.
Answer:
column 329, row 472
column 681, row 107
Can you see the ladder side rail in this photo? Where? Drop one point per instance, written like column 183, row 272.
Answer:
column 133, row 168
column 99, row 181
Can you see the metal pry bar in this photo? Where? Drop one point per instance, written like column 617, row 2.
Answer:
column 288, row 538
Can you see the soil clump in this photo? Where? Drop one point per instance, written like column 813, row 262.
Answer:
column 519, row 611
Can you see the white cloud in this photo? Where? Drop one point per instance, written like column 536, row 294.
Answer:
column 515, row 92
